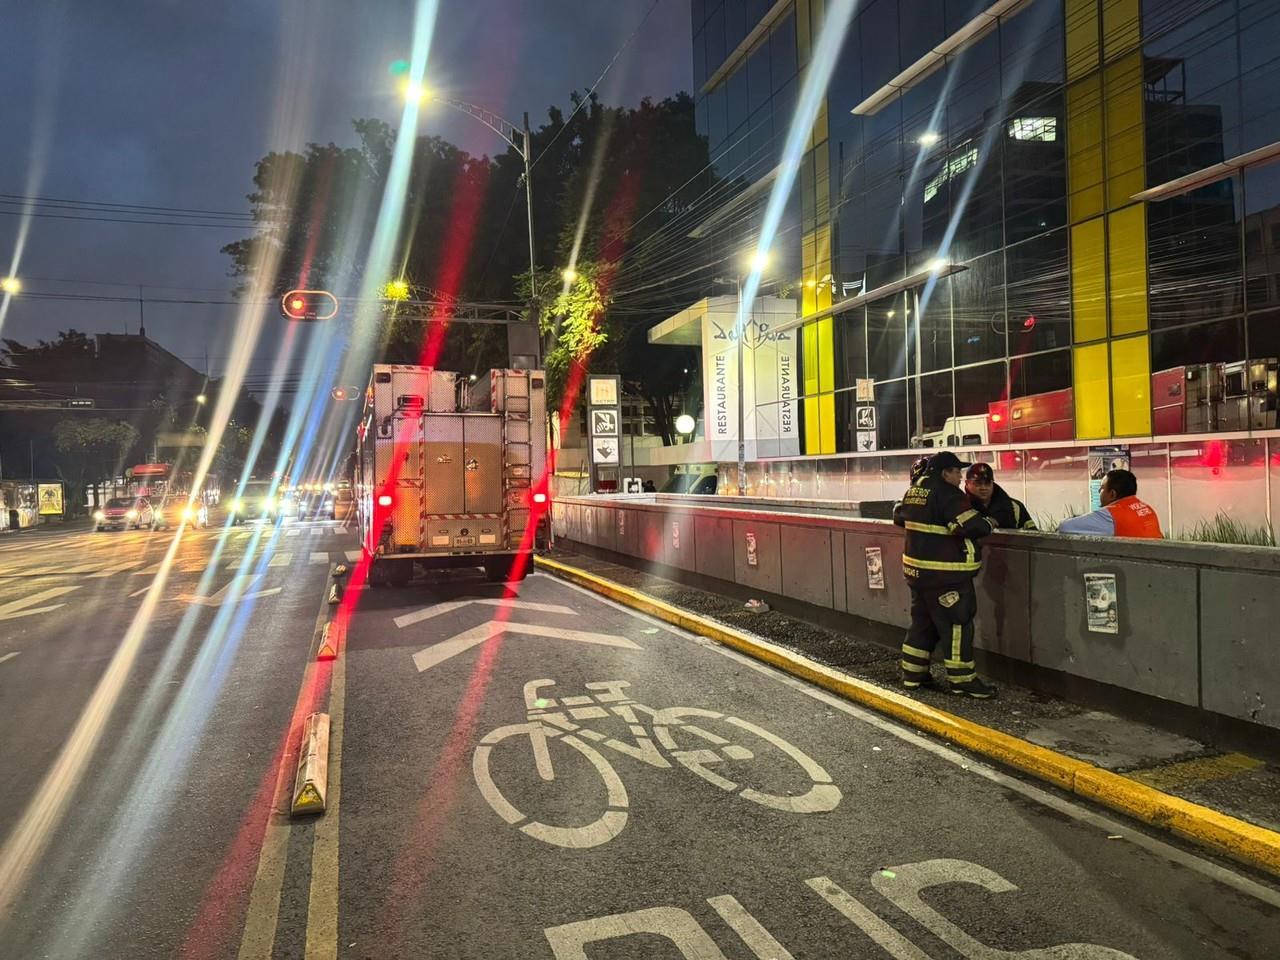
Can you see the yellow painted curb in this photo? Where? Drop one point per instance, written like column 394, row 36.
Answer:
column 1243, row 841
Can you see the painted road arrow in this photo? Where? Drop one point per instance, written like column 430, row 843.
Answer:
column 428, row 657
column 234, row 589
column 426, row 613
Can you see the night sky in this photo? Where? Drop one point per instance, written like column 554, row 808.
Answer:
column 170, row 102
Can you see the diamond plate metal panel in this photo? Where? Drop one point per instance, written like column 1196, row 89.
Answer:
column 482, row 473
column 538, row 422
column 443, row 397
column 444, row 455
column 517, row 432
column 411, row 387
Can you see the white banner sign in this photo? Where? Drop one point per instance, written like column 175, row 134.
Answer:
column 770, row 394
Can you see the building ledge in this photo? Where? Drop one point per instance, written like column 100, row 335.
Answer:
column 935, row 59
column 739, row 53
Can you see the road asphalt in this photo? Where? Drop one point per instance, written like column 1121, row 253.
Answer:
column 544, row 775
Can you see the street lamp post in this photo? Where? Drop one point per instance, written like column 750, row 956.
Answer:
column 520, row 140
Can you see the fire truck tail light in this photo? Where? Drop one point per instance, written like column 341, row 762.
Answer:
column 996, row 418
column 539, row 498
column 384, row 500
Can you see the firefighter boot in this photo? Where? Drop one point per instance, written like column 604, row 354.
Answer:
column 974, row 688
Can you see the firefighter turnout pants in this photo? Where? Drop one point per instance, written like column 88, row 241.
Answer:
column 945, row 614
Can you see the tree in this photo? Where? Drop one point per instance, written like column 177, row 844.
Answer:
column 69, row 358
column 609, row 185
column 90, row 450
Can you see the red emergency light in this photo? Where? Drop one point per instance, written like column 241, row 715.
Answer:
column 309, row 305
column 384, row 500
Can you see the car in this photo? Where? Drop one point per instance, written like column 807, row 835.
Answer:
column 344, row 503
column 316, row 505
column 195, row 512
column 257, row 501
column 120, row 513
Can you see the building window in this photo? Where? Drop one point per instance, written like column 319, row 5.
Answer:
column 1034, row 128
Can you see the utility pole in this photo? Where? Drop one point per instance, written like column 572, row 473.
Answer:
column 527, row 140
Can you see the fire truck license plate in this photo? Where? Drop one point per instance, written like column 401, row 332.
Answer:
column 464, row 541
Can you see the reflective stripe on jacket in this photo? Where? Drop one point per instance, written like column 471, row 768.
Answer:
column 942, row 529
column 1007, row 512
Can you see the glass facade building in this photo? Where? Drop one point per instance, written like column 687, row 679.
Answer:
column 1070, row 200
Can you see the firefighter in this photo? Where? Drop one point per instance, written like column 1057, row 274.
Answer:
column 990, row 499
column 918, row 468
column 940, row 559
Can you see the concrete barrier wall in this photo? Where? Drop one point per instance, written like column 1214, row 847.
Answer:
column 1196, row 623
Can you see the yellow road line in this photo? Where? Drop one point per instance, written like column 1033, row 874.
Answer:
column 1246, row 842
column 1171, row 776
column 322, row 907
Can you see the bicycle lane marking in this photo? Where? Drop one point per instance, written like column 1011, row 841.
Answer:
column 1103, row 823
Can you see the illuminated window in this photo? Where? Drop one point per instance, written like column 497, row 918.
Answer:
column 1034, row 128
column 954, row 166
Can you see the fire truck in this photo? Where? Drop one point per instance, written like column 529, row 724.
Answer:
column 450, row 472
column 1194, row 398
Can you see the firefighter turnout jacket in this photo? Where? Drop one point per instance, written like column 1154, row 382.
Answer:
column 942, row 533
column 1007, row 512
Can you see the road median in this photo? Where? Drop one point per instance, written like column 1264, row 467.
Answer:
column 1242, row 841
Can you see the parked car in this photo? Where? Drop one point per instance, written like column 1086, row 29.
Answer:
column 120, row 513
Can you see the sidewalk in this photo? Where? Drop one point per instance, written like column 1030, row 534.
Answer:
column 1231, row 783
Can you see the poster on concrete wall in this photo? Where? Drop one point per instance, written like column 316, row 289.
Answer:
column 1102, row 603
column 1102, row 459
column 875, row 568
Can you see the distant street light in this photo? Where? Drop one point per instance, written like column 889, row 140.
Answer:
column 11, row 285
column 685, row 424
column 569, row 274
column 201, row 399
column 396, row 290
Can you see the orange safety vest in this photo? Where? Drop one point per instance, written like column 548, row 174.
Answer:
column 1134, row 518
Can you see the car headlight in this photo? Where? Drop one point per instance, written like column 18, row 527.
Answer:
column 269, row 504
column 132, row 514
column 99, row 515
column 188, row 513
column 237, row 506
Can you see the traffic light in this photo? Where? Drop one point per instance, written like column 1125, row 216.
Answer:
column 344, row 393
column 308, row 305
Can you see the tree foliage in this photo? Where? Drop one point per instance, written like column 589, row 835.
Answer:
column 606, row 184
column 70, row 357
column 88, row 450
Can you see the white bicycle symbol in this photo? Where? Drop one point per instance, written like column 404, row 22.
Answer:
column 551, row 727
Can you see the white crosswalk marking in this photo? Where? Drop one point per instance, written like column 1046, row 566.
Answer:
column 319, row 556
column 25, row 607
column 353, row 556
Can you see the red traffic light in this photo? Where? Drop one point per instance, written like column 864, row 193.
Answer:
column 344, row 393
column 309, row 305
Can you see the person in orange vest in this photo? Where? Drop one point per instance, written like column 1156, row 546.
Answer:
column 1122, row 514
